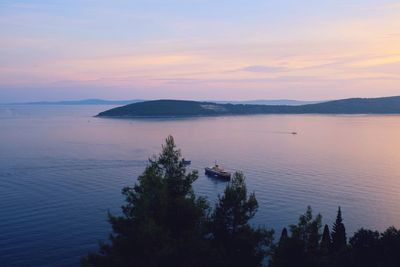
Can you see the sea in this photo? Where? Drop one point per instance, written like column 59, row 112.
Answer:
column 62, row 171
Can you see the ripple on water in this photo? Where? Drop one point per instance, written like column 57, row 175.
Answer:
column 60, row 175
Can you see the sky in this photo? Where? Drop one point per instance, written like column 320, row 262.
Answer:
column 198, row 49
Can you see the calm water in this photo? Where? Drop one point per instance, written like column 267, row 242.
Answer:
column 61, row 170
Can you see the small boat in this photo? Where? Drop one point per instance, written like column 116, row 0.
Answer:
column 294, row 133
column 186, row 162
column 218, row 172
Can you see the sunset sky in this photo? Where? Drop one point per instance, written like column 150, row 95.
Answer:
column 198, row 49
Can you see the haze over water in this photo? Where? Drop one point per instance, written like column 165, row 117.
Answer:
column 61, row 170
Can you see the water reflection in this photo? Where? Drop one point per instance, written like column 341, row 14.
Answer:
column 61, row 169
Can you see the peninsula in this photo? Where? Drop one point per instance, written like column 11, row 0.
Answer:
column 184, row 108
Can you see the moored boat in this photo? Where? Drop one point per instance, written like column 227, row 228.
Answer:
column 186, row 162
column 218, row 172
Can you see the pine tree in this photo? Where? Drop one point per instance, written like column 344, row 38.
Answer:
column 163, row 223
column 325, row 247
column 339, row 239
column 308, row 230
column 235, row 240
column 325, row 244
column 284, row 236
column 301, row 248
column 287, row 252
column 314, row 236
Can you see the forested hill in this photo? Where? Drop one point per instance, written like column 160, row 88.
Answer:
column 172, row 108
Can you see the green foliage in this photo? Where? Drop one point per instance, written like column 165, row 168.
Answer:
column 167, row 108
column 307, row 230
column 163, row 223
column 162, row 108
column 302, row 247
column 234, row 209
column 366, row 248
column 233, row 237
column 288, row 252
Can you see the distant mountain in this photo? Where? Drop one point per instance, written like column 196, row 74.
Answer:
column 126, row 102
column 82, row 102
column 175, row 108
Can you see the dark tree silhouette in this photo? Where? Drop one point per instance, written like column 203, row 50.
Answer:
column 302, row 247
column 163, row 223
column 325, row 245
column 233, row 237
column 390, row 243
column 373, row 249
column 284, row 236
column 365, row 248
column 326, row 240
column 339, row 239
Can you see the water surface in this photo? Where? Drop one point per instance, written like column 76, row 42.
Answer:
column 61, row 170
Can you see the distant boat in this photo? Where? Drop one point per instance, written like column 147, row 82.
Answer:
column 218, row 172
column 294, row 133
column 186, row 162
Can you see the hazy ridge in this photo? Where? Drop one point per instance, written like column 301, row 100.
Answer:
column 95, row 101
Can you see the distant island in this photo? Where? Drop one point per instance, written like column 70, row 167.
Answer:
column 81, row 102
column 182, row 108
column 95, row 101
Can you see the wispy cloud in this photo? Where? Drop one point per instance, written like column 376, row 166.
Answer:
column 262, row 69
